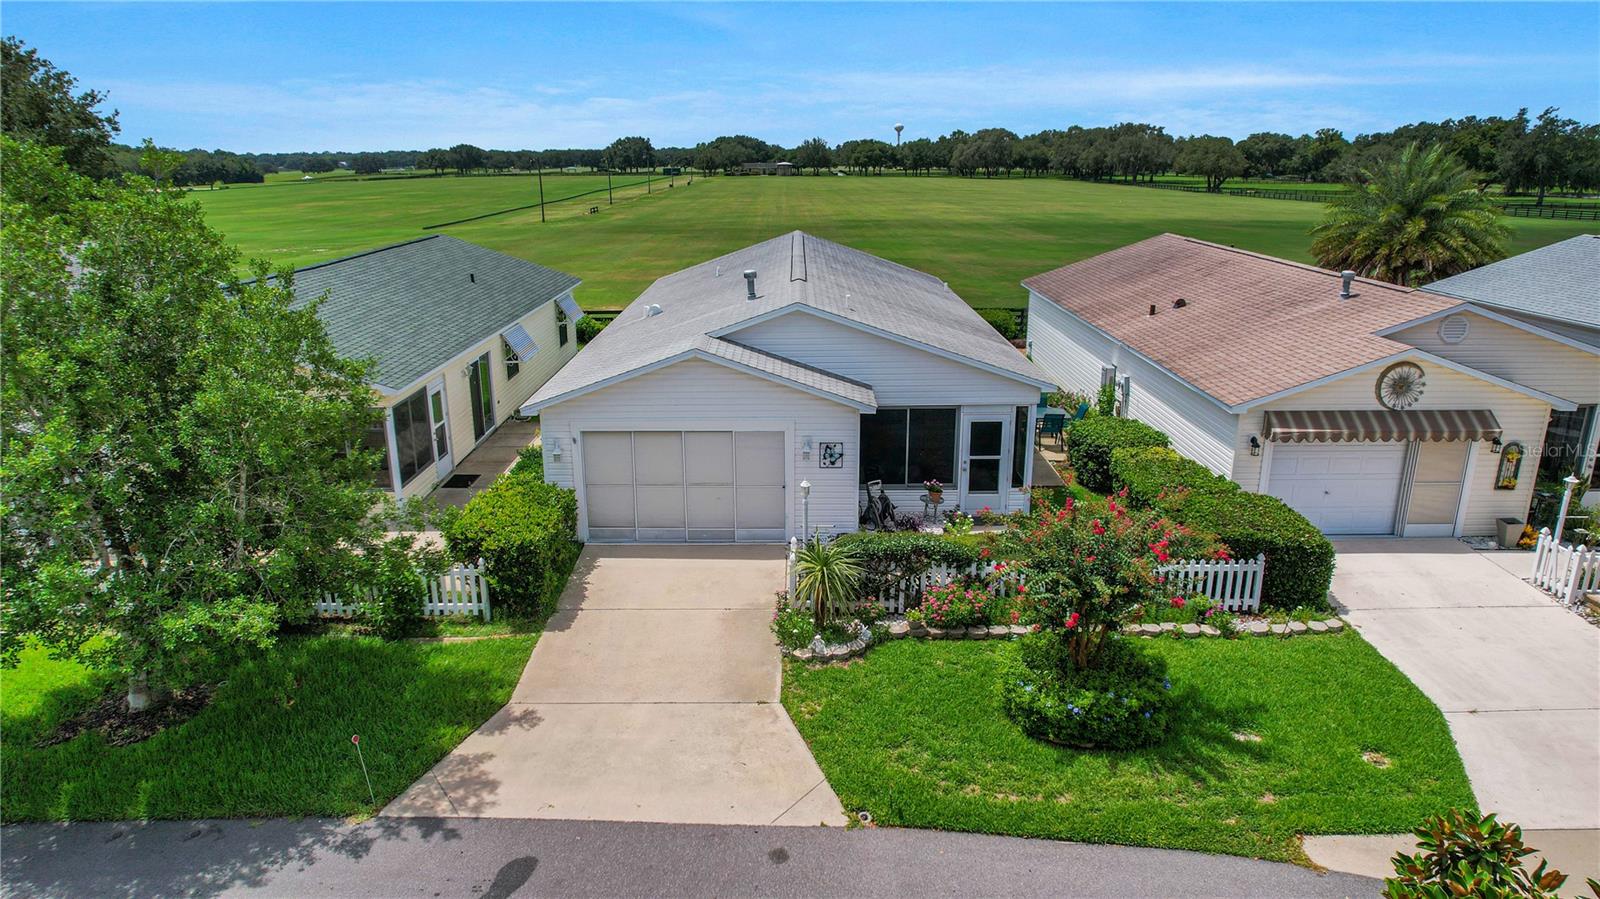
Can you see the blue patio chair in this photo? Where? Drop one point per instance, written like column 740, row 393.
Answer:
column 1044, row 401
column 1054, row 425
column 1083, row 410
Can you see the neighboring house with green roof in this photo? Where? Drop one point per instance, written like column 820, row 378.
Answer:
column 461, row 336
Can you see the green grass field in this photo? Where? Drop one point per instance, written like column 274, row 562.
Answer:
column 983, row 236
column 914, row 733
column 274, row 741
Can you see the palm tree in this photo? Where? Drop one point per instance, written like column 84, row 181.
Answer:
column 1411, row 220
column 827, row 575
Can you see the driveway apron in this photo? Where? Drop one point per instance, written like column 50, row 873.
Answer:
column 651, row 696
column 1516, row 675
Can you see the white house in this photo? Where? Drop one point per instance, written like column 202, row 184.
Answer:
column 701, row 410
column 1370, row 408
column 461, row 336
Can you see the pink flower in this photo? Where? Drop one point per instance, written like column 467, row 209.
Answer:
column 1022, row 588
column 1178, row 602
column 1097, row 527
column 1015, row 616
column 1072, row 622
column 983, row 553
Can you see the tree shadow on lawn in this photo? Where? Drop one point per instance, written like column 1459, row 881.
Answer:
column 276, row 739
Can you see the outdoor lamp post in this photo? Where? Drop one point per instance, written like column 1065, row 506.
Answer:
column 1566, row 497
column 805, row 508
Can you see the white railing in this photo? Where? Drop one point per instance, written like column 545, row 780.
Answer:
column 462, row 590
column 1563, row 570
column 906, row 593
column 1234, row 585
column 793, row 575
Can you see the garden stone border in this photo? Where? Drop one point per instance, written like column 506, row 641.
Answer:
column 899, row 628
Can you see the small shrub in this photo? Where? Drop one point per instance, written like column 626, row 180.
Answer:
column 589, row 328
column 826, row 578
column 960, row 603
column 1299, row 557
column 1091, row 442
column 394, row 574
column 526, row 532
column 957, row 523
column 530, row 462
column 1468, row 856
column 1106, row 400
column 791, row 624
column 1151, row 474
column 1122, row 703
column 1002, row 320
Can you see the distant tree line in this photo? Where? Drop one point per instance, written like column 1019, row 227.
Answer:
column 1528, row 154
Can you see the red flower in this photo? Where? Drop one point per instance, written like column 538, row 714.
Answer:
column 1015, row 616
column 1022, row 588
column 1177, row 602
column 983, row 553
column 1097, row 527
column 1072, row 622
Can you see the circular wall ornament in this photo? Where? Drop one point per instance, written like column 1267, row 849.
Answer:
column 1400, row 385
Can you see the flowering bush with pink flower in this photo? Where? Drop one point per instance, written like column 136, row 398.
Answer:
column 959, row 603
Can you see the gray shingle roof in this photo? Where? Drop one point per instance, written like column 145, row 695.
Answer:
column 793, row 270
column 414, row 306
column 1559, row 282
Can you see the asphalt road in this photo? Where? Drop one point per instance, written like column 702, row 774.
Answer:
column 499, row 858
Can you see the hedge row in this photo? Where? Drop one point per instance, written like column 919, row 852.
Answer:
column 888, row 557
column 1299, row 557
column 526, row 531
column 1002, row 320
column 1091, row 442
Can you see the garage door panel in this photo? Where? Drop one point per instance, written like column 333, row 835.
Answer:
column 708, row 457
column 658, row 458
column 760, row 507
column 1340, row 488
column 710, row 507
column 609, row 506
column 758, row 458
column 608, row 457
column 659, row 507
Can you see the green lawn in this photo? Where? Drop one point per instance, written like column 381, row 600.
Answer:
column 915, row 735
column 983, row 236
column 274, row 741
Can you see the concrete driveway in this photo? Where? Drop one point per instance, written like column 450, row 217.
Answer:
column 651, row 696
column 1517, row 676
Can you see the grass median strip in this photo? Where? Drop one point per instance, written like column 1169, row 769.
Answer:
column 274, row 741
column 1272, row 739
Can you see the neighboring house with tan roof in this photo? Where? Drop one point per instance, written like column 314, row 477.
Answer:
column 460, row 335
column 1370, row 408
column 701, row 410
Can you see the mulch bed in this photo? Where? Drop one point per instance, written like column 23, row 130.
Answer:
column 110, row 716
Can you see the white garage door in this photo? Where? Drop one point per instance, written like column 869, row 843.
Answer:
column 684, row 486
column 1341, row 488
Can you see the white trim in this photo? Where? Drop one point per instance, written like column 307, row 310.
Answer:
column 887, row 335
column 534, row 408
column 394, row 457
column 1466, row 488
column 965, row 420
column 1265, row 476
column 442, row 466
column 1033, row 294
column 1555, row 402
column 1492, row 316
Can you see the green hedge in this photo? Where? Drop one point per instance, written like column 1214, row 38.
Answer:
column 526, row 532
column 1151, row 474
column 1002, row 320
column 1091, row 442
column 890, row 557
column 1299, row 557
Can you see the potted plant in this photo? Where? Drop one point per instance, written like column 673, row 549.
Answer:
column 935, row 490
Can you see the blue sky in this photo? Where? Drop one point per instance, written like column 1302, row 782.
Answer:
column 308, row 76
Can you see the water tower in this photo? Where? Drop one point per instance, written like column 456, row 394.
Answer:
column 897, row 129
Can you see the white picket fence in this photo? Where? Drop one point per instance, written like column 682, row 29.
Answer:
column 1233, row 584
column 462, row 590
column 1563, row 570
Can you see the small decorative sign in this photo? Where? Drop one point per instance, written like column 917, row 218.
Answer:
column 1510, row 466
column 831, row 455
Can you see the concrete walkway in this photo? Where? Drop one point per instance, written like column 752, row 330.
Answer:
column 1517, row 676
column 489, row 460
column 651, row 696
column 498, row 858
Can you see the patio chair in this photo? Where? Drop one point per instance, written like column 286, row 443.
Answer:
column 1044, row 401
column 1054, row 425
column 1083, row 410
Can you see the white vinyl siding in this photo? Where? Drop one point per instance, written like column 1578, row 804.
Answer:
column 1522, row 418
column 1515, row 355
column 508, row 395
column 695, row 395
column 900, row 375
column 1073, row 352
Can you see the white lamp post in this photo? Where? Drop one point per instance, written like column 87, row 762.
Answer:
column 805, row 508
column 1566, row 497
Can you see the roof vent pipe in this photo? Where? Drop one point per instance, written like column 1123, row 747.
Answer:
column 472, row 277
column 1346, row 278
column 750, row 283
column 652, row 309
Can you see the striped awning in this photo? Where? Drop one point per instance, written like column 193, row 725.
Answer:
column 517, row 338
column 1379, row 425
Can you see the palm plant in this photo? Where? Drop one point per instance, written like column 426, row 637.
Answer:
column 827, row 576
column 1411, row 220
